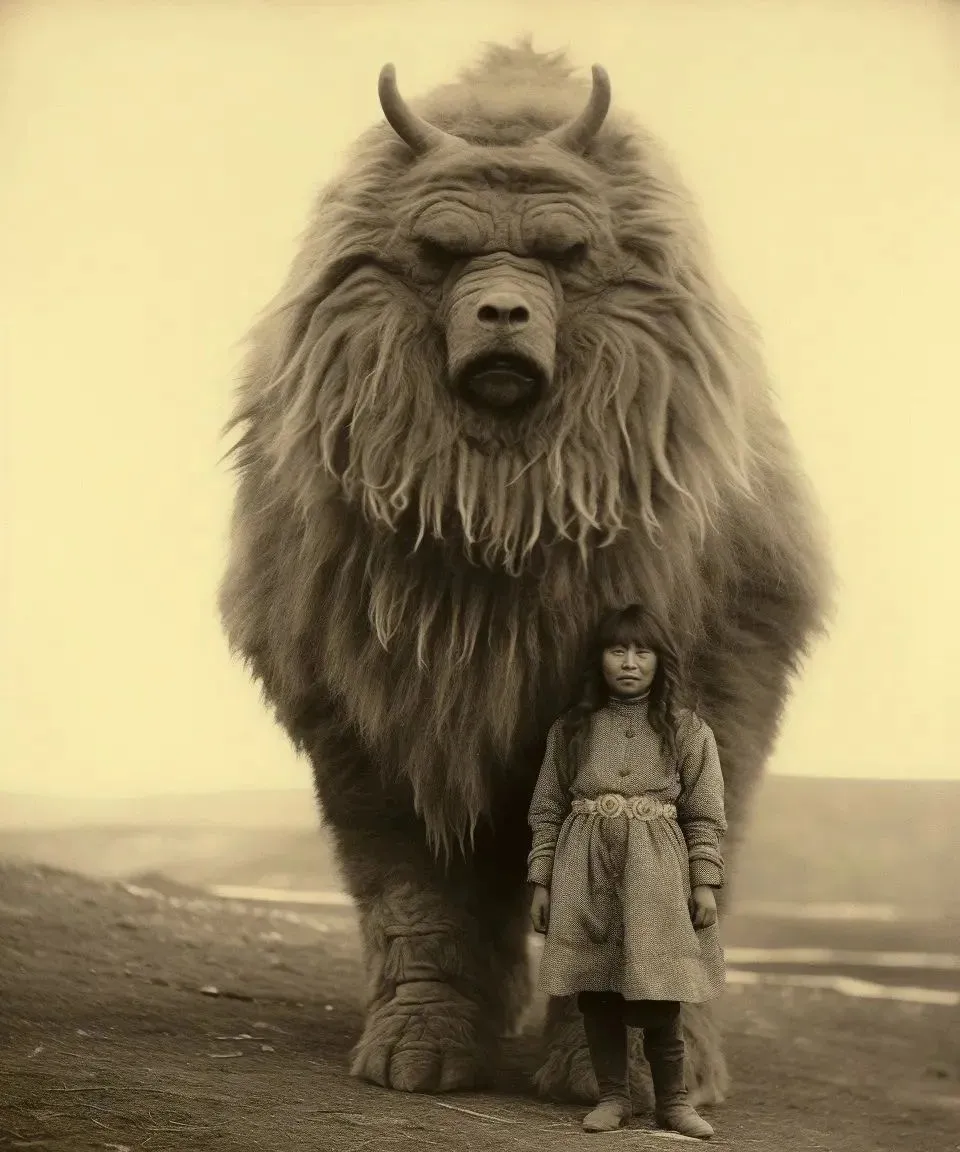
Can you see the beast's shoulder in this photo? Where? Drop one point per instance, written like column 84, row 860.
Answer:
column 691, row 727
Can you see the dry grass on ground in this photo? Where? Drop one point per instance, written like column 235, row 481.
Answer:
column 135, row 1022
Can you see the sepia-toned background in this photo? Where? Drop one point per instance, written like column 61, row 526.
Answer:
column 158, row 161
column 179, row 967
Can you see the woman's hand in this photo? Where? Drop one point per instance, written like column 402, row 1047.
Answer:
column 703, row 906
column 540, row 908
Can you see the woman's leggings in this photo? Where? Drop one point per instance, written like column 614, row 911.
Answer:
column 606, row 1017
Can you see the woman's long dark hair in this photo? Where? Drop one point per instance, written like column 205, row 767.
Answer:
column 667, row 692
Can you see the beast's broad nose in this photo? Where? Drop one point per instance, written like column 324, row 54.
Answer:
column 503, row 310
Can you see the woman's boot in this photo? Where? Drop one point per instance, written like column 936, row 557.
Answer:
column 607, row 1041
column 663, row 1048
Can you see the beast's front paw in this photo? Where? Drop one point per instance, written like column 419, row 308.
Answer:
column 425, row 1039
column 707, row 1076
column 567, row 1073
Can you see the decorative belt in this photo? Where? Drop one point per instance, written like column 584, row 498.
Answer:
column 639, row 807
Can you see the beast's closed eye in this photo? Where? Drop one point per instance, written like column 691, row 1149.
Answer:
column 436, row 254
column 568, row 256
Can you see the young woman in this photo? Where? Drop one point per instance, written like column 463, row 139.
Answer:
column 627, row 819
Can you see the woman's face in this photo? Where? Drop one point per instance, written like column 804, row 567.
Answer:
column 629, row 669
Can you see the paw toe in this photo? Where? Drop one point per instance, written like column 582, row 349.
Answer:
column 415, row 1068
column 420, row 1045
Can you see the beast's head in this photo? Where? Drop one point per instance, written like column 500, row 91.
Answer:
column 501, row 327
column 497, row 238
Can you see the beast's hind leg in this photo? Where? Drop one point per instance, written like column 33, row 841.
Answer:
column 566, row 1072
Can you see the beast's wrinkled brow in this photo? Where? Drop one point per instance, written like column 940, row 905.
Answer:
column 473, row 223
column 525, row 211
column 509, row 170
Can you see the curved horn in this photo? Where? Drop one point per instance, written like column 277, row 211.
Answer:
column 577, row 134
column 412, row 130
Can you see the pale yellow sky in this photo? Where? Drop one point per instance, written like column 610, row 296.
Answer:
column 158, row 161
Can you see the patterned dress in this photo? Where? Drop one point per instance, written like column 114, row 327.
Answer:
column 620, row 885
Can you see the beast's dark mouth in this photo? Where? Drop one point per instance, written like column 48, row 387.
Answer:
column 501, row 383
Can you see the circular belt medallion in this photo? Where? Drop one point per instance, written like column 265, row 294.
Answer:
column 611, row 804
column 644, row 807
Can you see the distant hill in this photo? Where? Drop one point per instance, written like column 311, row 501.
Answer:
column 191, row 855
column 864, row 841
column 291, row 808
column 811, row 841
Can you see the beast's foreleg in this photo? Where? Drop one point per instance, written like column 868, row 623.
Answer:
column 428, row 1025
column 443, row 943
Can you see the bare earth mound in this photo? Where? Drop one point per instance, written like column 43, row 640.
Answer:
column 137, row 1021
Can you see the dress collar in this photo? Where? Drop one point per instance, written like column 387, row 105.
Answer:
column 632, row 705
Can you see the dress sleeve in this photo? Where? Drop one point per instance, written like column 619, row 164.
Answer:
column 548, row 810
column 700, row 811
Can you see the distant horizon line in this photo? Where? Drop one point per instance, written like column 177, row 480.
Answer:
column 307, row 791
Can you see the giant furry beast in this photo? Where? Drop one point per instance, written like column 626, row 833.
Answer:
column 501, row 390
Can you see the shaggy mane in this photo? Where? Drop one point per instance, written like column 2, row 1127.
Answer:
column 438, row 588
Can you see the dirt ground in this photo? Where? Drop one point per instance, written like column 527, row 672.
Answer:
column 131, row 1020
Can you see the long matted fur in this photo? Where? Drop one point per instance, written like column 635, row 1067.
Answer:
column 412, row 579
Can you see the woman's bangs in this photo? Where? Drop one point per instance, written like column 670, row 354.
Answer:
column 623, row 631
